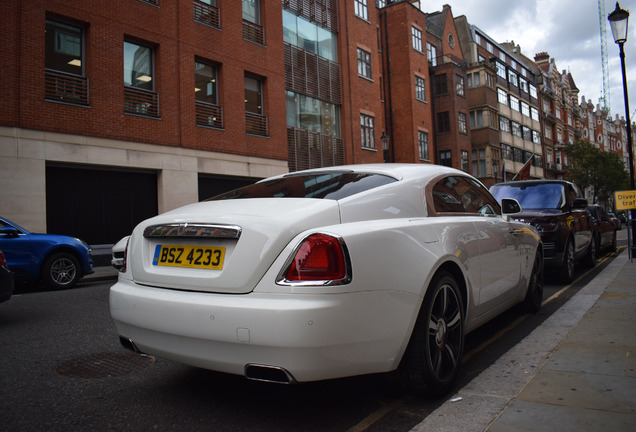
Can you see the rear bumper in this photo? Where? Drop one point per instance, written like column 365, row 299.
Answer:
column 312, row 336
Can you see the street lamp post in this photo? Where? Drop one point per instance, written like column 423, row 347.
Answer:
column 385, row 146
column 618, row 21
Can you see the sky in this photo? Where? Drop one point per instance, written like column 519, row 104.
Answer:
column 568, row 30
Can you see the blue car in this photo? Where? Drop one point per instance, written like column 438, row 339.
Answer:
column 58, row 261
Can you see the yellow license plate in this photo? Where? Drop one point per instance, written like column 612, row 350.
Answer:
column 201, row 257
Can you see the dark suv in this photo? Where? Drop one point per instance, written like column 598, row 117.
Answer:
column 558, row 211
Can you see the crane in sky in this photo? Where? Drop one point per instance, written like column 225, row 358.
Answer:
column 604, row 100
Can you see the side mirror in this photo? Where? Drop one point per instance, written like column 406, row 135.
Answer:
column 510, row 206
column 580, row 203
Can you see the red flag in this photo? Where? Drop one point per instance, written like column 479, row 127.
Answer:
column 524, row 172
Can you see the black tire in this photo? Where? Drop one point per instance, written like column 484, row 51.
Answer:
column 590, row 257
column 434, row 354
column 61, row 270
column 534, row 295
column 567, row 268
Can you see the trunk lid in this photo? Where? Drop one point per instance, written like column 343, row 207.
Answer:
column 178, row 249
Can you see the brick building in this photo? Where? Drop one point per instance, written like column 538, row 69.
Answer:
column 215, row 94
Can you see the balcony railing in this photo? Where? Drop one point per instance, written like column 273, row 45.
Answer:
column 209, row 115
column 63, row 87
column 207, row 14
column 141, row 102
column 256, row 124
column 253, row 32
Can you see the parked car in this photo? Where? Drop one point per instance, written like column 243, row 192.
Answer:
column 329, row 273
column 615, row 220
column 58, row 261
column 118, row 250
column 604, row 230
column 6, row 279
column 558, row 211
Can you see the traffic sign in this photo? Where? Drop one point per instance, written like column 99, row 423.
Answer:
column 625, row 200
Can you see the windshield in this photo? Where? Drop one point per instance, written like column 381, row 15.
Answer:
column 532, row 196
column 328, row 185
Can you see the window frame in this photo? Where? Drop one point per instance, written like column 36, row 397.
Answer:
column 420, row 88
column 367, row 131
column 364, row 64
column 416, row 39
column 361, row 9
column 422, row 145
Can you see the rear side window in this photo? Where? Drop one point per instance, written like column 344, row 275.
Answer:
column 328, row 185
column 456, row 194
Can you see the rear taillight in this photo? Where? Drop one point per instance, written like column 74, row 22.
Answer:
column 123, row 266
column 3, row 260
column 320, row 258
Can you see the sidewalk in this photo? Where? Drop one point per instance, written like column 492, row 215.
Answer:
column 576, row 372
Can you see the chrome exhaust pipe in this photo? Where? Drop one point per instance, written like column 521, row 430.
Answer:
column 266, row 373
column 130, row 345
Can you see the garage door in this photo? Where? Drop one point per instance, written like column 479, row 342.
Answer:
column 98, row 205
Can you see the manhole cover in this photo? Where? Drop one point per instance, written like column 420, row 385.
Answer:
column 104, row 365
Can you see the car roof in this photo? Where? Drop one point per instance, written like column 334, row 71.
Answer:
column 541, row 181
column 399, row 171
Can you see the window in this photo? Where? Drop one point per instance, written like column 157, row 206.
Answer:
column 64, row 63
column 461, row 119
column 514, row 103
column 367, row 132
column 251, row 11
column 422, row 144
column 459, row 84
column 527, row 133
column 534, row 114
column 138, row 66
column 479, row 163
column 416, row 36
column 501, row 69
column 420, row 89
column 361, row 9
column 308, row 35
column 431, row 54
column 525, row 109
column 441, row 84
column 536, row 137
column 443, row 122
column 312, row 114
column 523, row 85
column 547, row 132
column 445, row 158
column 255, row 121
column 64, row 48
column 205, row 83
column 208, row 113
column 253, row 95
column 464, row 160
column 502, row 96
column 504, row 124
column 490, row 48
column 473, row 80
column 364, row 63
column 139, row 95
column 477, row 119
column 533, row 91
column 512, row 78
column 516, row 129
column 252, row 29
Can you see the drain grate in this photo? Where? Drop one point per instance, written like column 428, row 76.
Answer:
column 104, row 365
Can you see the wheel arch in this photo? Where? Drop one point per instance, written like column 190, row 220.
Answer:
column 62, row 249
